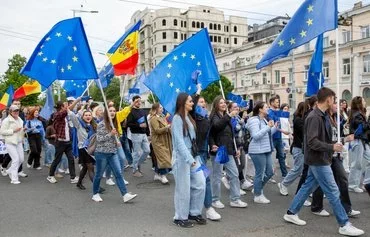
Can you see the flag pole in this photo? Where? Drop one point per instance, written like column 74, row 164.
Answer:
column 337, row 69
column 87, row 87
column 122, row 91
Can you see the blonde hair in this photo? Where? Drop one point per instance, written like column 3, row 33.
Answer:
column 96, row 109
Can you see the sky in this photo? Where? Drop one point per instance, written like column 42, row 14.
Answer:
column 24, row 22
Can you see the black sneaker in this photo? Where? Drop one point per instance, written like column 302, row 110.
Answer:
column 367, row 187
column 183, row 223
column 80, row 186
column 198, row 219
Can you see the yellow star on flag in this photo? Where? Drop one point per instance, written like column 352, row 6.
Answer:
column 281, row 43
column 310, row 8
column 292, row 41
column 303, row 33
column 309, row 22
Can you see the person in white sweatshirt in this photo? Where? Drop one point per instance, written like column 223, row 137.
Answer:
column 13, row 134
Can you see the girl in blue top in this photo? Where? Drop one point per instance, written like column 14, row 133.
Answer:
column 36, row 135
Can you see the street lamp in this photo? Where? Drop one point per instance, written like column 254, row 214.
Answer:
column 82, row 11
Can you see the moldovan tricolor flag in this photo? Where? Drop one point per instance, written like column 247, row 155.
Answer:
column 124, row 53
column 28, row 88
column 7, row 98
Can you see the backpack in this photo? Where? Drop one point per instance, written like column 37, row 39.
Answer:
column 91, row 146
column 247, row 139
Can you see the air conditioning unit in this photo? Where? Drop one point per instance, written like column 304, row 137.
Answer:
column 332, row 42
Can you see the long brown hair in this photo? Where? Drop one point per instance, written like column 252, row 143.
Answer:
column 356, row 106
column 154, row 109
column 300, row 110
column 107, row 121
column 215, row 104
column 180, row 110
column 92, row 122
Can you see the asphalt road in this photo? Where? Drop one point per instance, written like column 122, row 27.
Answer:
column 37, row 208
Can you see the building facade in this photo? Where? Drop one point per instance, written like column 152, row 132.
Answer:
column 287, row 77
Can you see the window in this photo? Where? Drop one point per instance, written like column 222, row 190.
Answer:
column 219, row 50
column 290, row 80
column 219, row 39
column 235, row 40
column 185, row 24
column 277, row 77
column 175, row 35
column 155, row 25
column 219, row 27
column 182, row 36
column 367, row 63
column 163, row 22
column 325, row 69
column 182, row 24
column 198, row 24
column 210, row 26
column 227, row 41
column 211, row 38
column 215, row 26
column 164, row 48
column 264, row 78
column 346, row 36
column 193, row 24
column 164, row 35
column 155, row 37
column 365, row 31
column 307, row 47
column 347, row 95
column 202, row 25
column 346, row 67
column 326, row 42
column 175, row 22
column 235, row 29
column 366, row 95
column 306, row 67
column 227, row 28
column 155, row 50
column 185, row 36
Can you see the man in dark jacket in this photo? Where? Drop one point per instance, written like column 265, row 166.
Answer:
column 318, row 153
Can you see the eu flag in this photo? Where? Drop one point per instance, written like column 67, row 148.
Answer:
column 139, row 84
column 189, row 64
column 105, row 75
column 315, row 71
column 63, row 53
column 312, row 18
column 48, row 108
column 75, row 88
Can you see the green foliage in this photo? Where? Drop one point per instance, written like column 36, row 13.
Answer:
column 213, row 90
column 13, row 77
column 152, row 100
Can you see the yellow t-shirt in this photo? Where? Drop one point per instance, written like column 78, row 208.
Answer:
column 121, row 116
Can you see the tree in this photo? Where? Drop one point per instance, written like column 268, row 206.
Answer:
column 152, row 98
column 213, row 90
column 13, row 77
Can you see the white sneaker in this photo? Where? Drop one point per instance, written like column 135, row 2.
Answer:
column 246, row 185
column 307, row 203
column 75, row 180
column 225, row 181
column 353, row 213
column 261, row 199
column 294, row 219
column 238, row 203
column 15, row 182
column 164, row 179
column 126, row 182
column 22, row 174
column 273, row 181
column 3, row 171
column 67, row 171
column 242, row 192
column 283, row 189
column 356, row 190
column 39, row 168
column 218, row 204
column 350, row 230
column 51, row 179
column 97, row 198
column 104, row 175
column 323, row 213
column 128, row 196
column 110, row 182
column 157, row 177
column 29, row 166
column 212, row 214
column 61, row 170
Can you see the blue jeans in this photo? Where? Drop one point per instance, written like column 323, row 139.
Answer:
column 121, row 159
column 233, row 174
column 263, row 166
column 189, row 189
column 141, row 150
column 49, row 153
column 208, row 197
column 126, row 148
column 360, row 164
column 280, row 155
column 321, row 176
column 102, row 161
column 297, row 168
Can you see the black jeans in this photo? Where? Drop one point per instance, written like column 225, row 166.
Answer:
column 341, row 179
column 60, row 148
column 35, row 147
column 6, row 161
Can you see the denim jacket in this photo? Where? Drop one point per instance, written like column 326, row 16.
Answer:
column 181, row 143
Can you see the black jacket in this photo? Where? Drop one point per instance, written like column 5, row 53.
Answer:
column 356, row 120
column 133, row 121
column 221, row 132
column 298, row 124
column 318, row 145
column 203, row 127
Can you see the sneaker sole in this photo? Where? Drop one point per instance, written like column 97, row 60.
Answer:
column 292, row 222
column 130, row 199
column 190, row 226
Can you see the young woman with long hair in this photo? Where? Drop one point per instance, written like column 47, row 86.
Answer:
column 189, row 179
column 36, row 134
column 221, row 134
column 106, row 155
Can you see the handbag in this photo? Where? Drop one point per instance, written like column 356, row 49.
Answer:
column 194, row 146
column 91, row 145
column 221, row 156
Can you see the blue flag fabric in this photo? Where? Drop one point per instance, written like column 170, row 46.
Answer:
column 106, row 75
column 315, row 71
column 237, row 99
column 74, row 88
column 189, row 63
column 48, row 108
column 312, row 18
column 63, row 53
column 139, row 84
